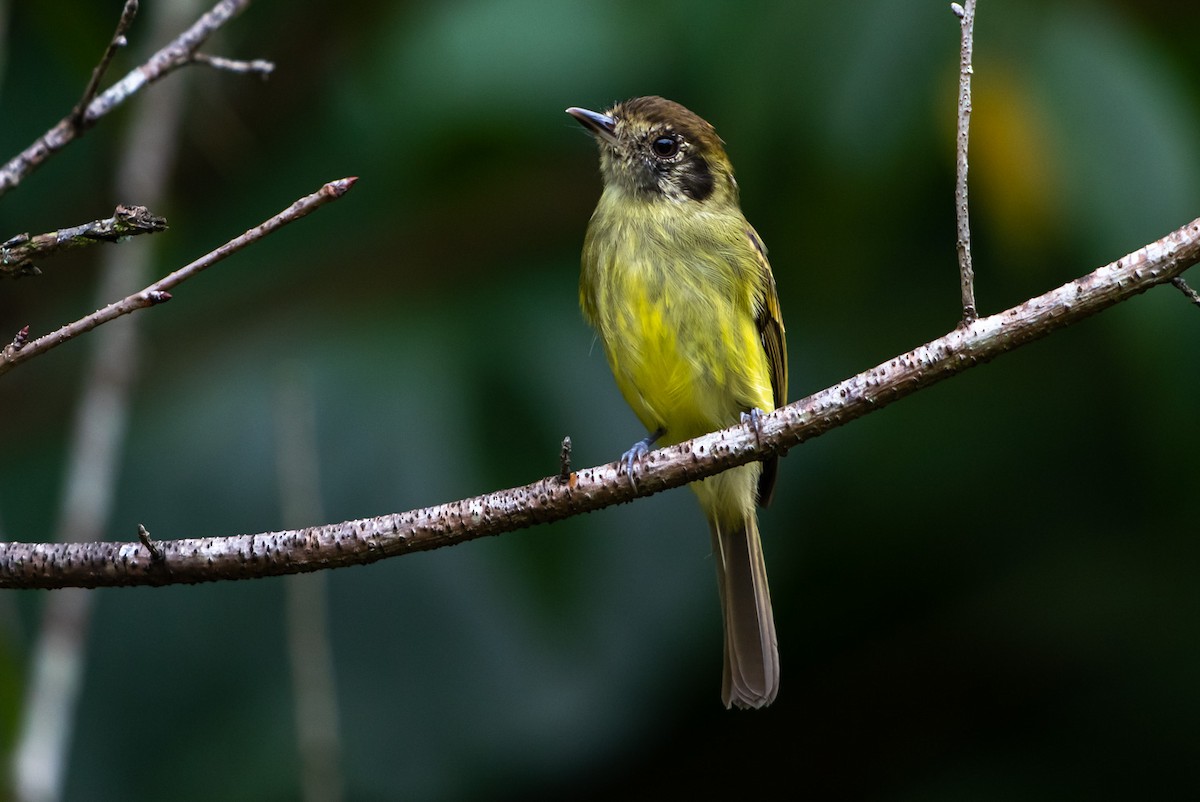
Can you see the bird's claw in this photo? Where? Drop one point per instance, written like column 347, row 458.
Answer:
column 754, row 419
column 633, row 456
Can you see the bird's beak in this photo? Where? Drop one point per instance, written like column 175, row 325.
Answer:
column 603, row 126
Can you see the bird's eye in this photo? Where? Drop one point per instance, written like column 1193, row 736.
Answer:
column 665, row 147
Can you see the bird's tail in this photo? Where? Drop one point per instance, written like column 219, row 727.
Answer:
column 751, row 677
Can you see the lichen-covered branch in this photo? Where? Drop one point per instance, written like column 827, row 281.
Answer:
column 17, row 254
column 181, row 51
column 22, row 350
column 53, row 565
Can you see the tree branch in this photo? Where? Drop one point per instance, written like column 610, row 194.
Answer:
column 366, row 540
column 178, row 53
column 158, row 292
column 18, row 253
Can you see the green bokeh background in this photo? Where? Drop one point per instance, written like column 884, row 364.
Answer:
column 986, row 591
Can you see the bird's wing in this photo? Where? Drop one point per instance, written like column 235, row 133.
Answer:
column 770, row 328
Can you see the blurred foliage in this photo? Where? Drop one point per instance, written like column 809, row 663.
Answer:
column 985, row 592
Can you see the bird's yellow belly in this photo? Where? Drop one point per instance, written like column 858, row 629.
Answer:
column 687, row 361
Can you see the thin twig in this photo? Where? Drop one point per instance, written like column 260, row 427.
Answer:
column 155, row 552
column 118, row 41
column 966, row 16
column 178, row 53
column 1186, row 289
column 564, row 461
column 257, row 66
column 18, row 253
column 157, row 292
column 42, row 565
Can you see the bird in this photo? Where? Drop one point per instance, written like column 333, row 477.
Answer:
column 677, row 286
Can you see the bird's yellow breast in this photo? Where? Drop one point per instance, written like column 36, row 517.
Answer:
column 672, row 299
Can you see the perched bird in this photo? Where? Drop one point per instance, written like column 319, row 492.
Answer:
column 677, row 286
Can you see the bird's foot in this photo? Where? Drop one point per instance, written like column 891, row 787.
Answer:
column 631, row 458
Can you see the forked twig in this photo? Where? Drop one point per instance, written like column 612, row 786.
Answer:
column 178, row 53
column 158, row 292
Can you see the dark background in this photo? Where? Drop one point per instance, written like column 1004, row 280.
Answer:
column 987, row 591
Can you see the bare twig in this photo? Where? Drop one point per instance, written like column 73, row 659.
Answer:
column 257, row 66
column 179, row 52
column 18, row 253
column 157, row 292
column 1186, row 289
column 370, row 539
column 966, row 16
column 564, row 461
column 155, row 552
column 118, row 41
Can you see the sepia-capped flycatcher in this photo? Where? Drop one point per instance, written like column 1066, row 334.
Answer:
column 677, row 286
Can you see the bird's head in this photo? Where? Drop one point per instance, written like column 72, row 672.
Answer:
column 655, row 149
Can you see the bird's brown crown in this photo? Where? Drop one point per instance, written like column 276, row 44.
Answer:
column 659, row 149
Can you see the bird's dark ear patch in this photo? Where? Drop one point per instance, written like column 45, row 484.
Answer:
column 697, row 178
